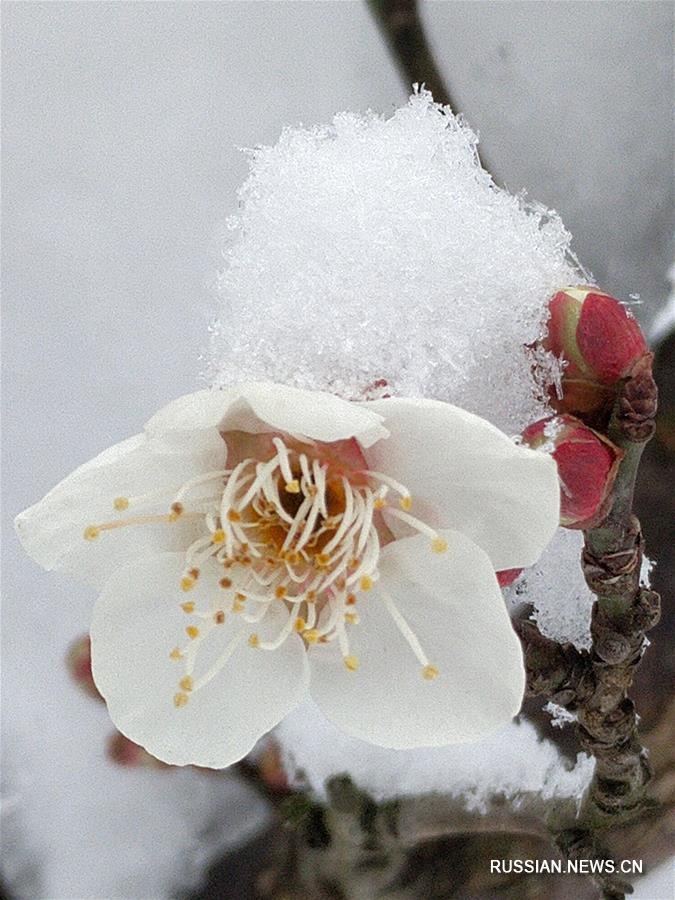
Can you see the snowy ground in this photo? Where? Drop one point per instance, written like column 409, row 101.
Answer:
column 122, row 128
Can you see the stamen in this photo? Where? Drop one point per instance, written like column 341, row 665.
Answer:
column 192, row 632
column 351, row 662
column 180, row 699
column 406, row 631
column 186, row 683
column 219, row 617
column 188, row 607
column 429, row 673
column 175, row 654
column 121, row 503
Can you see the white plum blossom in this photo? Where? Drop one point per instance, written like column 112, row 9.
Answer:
column 262, row 543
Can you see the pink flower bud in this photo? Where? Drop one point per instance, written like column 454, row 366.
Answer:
column 599, row 340
column 507, row 576
column 78, row 662
column 587, row 466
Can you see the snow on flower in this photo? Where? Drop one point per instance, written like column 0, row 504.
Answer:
column 267, row 542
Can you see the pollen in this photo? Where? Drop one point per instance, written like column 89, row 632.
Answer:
column 439, row 545
column 121, row 503
column 91, row 532
column 176, row 511
column 188, row 607
column 366, row 583
column 300, row 625
column 186, row 684
column 405, row 502
column 218, row 536
column 429, row 672
column 233, row 515
column 180, row 699
column 280, row 592
column 293, row 487
column 219, row 617
column 254, row 641
column 225, row 583
column 192, row 632
column 187, row 583
column 311, row 635
column 175, row 654
column 352, row 663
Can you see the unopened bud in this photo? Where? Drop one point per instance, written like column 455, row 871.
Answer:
column 78, row 662
column 599, row 341
column 507, row 577
column 587, row 466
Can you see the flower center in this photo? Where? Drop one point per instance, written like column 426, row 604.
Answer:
column 300, row 529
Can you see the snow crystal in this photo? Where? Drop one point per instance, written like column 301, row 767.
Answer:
column 559, row 715
column 556, row 588
column 377, row 249
column 511, row 763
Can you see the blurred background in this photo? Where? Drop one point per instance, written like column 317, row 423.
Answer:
column 123, row 131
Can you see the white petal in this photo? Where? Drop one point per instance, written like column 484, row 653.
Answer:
column 258, row 407
column 465, row 474
column 137, row 621
column 453, row 604
column 52, row 530
column 203, row 409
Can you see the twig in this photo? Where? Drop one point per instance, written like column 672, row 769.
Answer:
column 596, row 685
column 401, row 25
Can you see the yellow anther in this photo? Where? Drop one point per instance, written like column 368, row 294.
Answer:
column 280, row 592
column 429, row 673
column 176, row 511
column 91, row 532
column 352, row 618
column 187, row 583
column 218, row 536
column 237, row 606
column 352, row 663
column 380, row 503
column 292, row 557
column 439, row 545
column 405, row 502
column 366, row 583
column 188, row 607
column 192, row 632
column 322, row 559
column 293, row 487
column 186, row 684
column 353, row 563
column 175, row 654
column 310, row 596
column 300, row 625
column 254, row 641
column 180, row 699
column 233, row 515
column 219, row 617
column 225, row 583
column 311, row 635
column 121, row 503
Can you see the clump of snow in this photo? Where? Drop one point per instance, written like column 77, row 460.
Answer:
column 559, row 715
column 556, row 588
column 378, row 248
column 512, row 763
